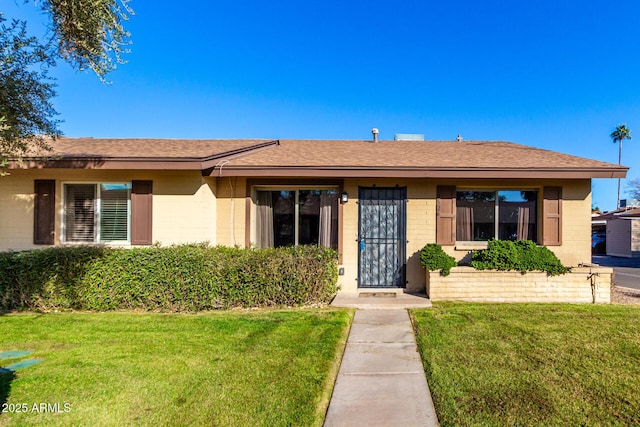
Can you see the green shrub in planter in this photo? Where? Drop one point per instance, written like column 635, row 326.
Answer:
column 433, row 257
column 521, row 255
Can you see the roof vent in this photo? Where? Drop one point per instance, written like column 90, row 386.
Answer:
column 409, row 137
column 375, row 133
column 459, row 138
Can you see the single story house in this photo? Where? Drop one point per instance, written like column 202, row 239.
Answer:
column 376, row 202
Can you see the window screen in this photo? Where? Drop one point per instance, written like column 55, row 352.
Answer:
column 114, row 212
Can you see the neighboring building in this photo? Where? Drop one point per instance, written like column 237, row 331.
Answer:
column 623, row 237
column 622, row 230
column 377, row 203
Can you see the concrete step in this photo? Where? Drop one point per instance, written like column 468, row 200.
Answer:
column 381, row 299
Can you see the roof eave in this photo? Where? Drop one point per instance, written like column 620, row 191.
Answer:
column 362, row 172
column 110, row 163
column 141, row 163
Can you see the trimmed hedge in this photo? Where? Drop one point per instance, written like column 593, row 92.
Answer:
column 178, row 278
column 433, row 257
column 521, row 255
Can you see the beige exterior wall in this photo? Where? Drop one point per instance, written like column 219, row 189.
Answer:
column 231, row 210
column 190, row 208
column 184, row 208
column 184, row 204
column 421, row 221
column 576, row 222
column 16, row 211
column 582, row 285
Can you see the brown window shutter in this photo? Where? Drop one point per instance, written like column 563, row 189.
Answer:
column 552, row 216
column 446, row 215
column 44, row 218
column 141, row 212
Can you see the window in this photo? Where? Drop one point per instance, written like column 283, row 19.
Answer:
column 504, row 214
column 297, row 217
column 97, row 212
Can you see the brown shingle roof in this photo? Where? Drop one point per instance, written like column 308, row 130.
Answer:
column 104, row 153
column 337, row 158
column 418, row 158
column 148, row 148
column 411, row 154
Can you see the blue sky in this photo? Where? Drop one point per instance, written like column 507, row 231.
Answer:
column 558, row 75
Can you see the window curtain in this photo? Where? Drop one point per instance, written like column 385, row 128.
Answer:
column 80, row 201
column 524, row 220
column 264, row 220
column 464, row 222
column 328, row 230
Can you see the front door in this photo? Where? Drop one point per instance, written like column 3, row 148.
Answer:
column 382, row 237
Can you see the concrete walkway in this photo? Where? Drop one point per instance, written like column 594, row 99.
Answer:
column 381, row 381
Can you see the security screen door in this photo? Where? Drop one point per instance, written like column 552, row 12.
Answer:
column 382, row 237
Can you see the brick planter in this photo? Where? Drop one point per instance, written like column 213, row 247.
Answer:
column 582, row 285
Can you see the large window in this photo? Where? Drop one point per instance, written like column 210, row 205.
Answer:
column 97, row 212
column 504, row 215
column 297, row 217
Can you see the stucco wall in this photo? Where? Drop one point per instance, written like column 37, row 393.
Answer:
column 184, row 204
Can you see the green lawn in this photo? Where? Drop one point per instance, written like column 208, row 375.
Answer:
column 269, row 368
column 532, row 364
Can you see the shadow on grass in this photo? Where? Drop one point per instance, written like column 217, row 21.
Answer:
column 6, row 377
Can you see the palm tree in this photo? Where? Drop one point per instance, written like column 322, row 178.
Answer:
column 621, row 133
